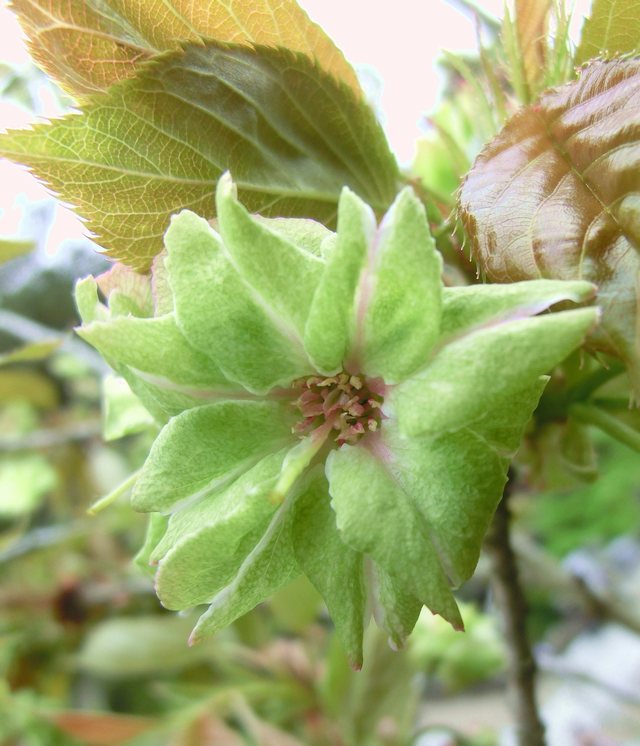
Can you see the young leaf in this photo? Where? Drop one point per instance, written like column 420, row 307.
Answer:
column 531, row 24
column 555, row 196
column 291, row 135
column 87, row 45
column 610, row 30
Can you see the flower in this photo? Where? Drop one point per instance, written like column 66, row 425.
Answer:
column 327, row 407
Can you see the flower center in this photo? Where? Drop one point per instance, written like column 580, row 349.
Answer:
column 352, row 404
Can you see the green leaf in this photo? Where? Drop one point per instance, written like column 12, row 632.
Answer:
column 156, row 528
column 10, row 248
column 555, row 196
column 206, row 543
column 378, row 517
column 122, row 412
column 331, row 324
column 610, row 30
column 282, row 274
column 334, row 568
column 88, row 45
column 31, row 352
column 204, row 448
column 472, row 379
column 291, row 135
column 24, row 482
column 399, row 295
column 223, row 317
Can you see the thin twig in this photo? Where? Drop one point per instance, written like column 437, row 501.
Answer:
column 510, row 599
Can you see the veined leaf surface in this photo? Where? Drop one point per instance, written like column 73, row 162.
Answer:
column 556, row 196
column 87, row 45
column 610, row 30
column 291, row 135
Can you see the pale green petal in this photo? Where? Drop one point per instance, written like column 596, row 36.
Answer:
column 206, row 544
column 331, row 324
column 376, row 515
column 395, row 610
column 308, row 235
column 283, row 276
column 269, row 566
column 86, row 296
column 468, row 307
column 399, row 297
column 206, row 447
column 122, row 412
column 157, row 351
column 155, row 531
column 221, row 317
column 335, row 569
column 468, row 380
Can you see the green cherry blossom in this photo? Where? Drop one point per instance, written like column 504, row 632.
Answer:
column 326, row 407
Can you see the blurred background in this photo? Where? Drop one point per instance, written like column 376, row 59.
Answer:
column 88, row 656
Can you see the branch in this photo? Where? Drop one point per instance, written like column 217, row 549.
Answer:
column 510, row 599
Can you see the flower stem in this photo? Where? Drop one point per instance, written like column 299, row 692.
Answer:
column 510, row 599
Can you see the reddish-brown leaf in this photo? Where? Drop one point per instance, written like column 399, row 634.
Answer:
column 101, row 728
column 557, row 195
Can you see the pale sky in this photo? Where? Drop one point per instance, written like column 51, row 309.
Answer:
column 401, row 44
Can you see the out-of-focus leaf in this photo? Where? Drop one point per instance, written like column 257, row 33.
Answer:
column 291, row 135
column 531, row 24
column 87, row 45
column 101, row 728
column 610, row 30
column 555, row 195
column 24, row 481
column 141, row 646
column 28, row 385
column 31, row 352
column 10, row 248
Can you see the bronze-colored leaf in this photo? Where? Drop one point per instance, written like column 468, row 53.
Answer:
column 557, row 195
column 87, row 45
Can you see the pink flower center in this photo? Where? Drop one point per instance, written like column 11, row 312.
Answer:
column 352, row 404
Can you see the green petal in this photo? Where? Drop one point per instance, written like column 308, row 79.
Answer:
column 335, row 569
column 331, row 323
column 376, row 515
column 399, row 297
column 205, row 447
column 123, row 414
column 269, row 566
column 468, row 307
column 206, row 544
column 282, row 275
column 472, row 378
column 395, row 610
column 222, row 317
column 156, row 528
column 157, row 351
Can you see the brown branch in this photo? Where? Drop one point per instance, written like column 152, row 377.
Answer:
column 510, row 600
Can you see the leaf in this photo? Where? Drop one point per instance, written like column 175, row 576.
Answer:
column 136, row 647
column 101, row 728
column 87, row 45
column 610, row 30
column 206, row 447
column 339, row 581
column 555, row 196
column 531, row 24
column 24, row 482
column 10, row 248
column 31, row 352
column 291, row 135
column 377, row 516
